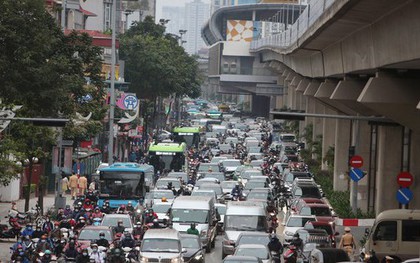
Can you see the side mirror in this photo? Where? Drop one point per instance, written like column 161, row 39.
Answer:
column 184, row 250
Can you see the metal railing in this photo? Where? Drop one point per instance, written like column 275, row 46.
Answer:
column 290, row 36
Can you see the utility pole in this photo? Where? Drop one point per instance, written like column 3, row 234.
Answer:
column 112, row 88
column 355, row 142
column 63, row 15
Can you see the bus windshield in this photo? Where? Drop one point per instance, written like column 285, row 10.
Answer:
column 121, row 184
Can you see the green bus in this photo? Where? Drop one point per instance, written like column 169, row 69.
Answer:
column 168, row 155
column 189, row 135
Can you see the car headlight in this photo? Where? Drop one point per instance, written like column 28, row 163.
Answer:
column 138, row 211
column 176, row 260
column 144, row 260
column 198, row 257
column 288, row 233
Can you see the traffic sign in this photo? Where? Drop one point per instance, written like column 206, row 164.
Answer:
column 356, row 161
column 130, row 102
column 356, row 174
column 404, row 196
column 405, row 179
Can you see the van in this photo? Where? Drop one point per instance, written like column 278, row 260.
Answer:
column 395, row 233
column 161, row 245
column 239, row 217
column 199, row 210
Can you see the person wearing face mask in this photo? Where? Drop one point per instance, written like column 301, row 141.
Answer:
column 96, row 254
column 28, row 231
column 71, row 250
column 105, row 207
column 59, row 247
column 102, row 242
column 48, row 226
column 80, row 223
column 83, row 257
column 43, row 244
column 68, row 211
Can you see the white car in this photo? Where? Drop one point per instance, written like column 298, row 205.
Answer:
column 293, row 224
column 256, row 250
column 161, row 209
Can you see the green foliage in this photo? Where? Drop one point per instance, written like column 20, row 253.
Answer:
column 329, row 158
column 156, row 65
column 32, row 188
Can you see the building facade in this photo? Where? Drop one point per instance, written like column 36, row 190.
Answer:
column 176, row 17
column 196, row 15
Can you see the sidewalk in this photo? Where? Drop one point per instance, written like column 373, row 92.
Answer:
column 20, row 204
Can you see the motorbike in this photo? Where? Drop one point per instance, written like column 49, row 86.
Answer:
column 291, row 255
column 6, row 232
column 237, row 197
column 131, row 254
column 275, row 255
column 274, row 221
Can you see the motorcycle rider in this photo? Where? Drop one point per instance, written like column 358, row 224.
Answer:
column 97, row 213
column 155, row 224
column 71, row 250
column 130, row 207
column 275, row 246
column 96, row 254
column 102, row 242
column 44, row 244
column 83, row 257
column 192, row 230
column 127, row 240
column 46, row 258
column 91, row 196
column 297, row 242
column 116, row 255
column 48, row 226
column 119, row 228
column 106, row 207
column 236, row 191
column 121, row 209
column 68, row 211
column 80, row 223
column 38, row 232
column 28, row 231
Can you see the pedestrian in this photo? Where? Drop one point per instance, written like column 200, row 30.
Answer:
column 82, row 185
column 73, row 182
column 348, row 242
column 64, row 183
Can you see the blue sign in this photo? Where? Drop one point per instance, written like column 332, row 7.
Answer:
column 130, row 102
column 404, row 195
column 356, row 174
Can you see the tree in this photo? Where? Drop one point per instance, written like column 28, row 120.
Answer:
column 45, row 71
column 155, row 63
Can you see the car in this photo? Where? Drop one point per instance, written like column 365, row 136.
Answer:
column 216, row 188
column 180, row 175
column 306, row 191
column 412, row 260
column 161, row 209
column 260, row 194
column 258, row 250
column 227, row 186
column 328, row 255
column 293, row 223
column 322, row 212
column 318, row 236
column 206, row 167
column 193, row 251
column 161, row 245
column 218, row 175
column 156, row 196
column 162, row 183
column 327, row 227
column 111, row 220
column 242, row 259
column 229, row 166
column 252, row 184
column 288, row 178
column 257, row 163
column 253, row 238
column 207, row 192
column 91, row 233
column 217, row 159
column 247, row 173
column 209, row 180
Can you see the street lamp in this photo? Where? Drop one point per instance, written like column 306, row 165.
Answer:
column 182, row 32
column 163, row 21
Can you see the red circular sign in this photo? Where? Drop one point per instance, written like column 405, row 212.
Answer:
column 405, row 179
column 356, row 161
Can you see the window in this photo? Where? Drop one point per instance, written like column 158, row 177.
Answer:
column 386, row 231
column 411, row 230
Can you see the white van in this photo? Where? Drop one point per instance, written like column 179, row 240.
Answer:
column 199, row 210
column 239, row 217
column 161, row 245
column 395, row 233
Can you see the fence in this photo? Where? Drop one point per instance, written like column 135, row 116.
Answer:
column 291, row 35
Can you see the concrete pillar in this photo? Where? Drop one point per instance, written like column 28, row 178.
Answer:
column 328, row 135
column 363, row 150
column 415, row 169
column 341, row 154
column 310, row 91
column 389, row 165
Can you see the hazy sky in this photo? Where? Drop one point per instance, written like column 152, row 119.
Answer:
column 161, row 3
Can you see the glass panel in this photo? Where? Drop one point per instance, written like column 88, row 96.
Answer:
column 411, row 230
column 386, row 231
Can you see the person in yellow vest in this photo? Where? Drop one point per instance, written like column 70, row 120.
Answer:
column 73, row 185
column 82, row 185
column 348, row 243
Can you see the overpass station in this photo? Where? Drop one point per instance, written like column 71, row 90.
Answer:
column 349, row 69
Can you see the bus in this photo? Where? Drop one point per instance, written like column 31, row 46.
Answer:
column 123, row 182
column 214, row 114
column 168, row 155
column 190, row 135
